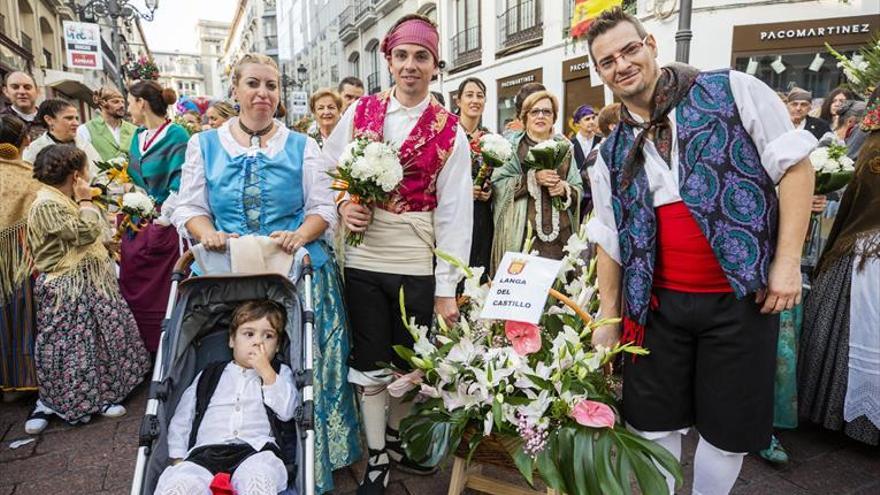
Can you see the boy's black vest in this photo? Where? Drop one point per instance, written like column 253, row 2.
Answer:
column 283, row 431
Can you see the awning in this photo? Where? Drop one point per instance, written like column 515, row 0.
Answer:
column 69, row 83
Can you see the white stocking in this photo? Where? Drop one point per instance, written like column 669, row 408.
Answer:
column 669, row 440
column 715, row 470
column 374, row 402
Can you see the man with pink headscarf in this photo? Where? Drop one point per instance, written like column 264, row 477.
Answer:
column 431, row 208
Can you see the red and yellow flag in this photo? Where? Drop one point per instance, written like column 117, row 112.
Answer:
column 587, row 10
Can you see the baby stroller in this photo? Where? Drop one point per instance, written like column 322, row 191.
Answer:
column 194, row 334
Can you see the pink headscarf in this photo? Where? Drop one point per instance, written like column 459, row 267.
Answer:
column 414, row 32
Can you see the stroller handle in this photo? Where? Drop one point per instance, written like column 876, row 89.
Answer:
column 180, row 268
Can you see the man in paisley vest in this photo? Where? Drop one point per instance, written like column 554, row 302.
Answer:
column 108, row 132
column 698, row 252
column 431, row 208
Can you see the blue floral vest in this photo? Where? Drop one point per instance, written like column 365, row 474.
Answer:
column 723, row 184
column 257, row 194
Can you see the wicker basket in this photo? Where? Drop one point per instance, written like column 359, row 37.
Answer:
column 492, row 450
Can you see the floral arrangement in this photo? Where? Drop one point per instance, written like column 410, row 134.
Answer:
column 538, row 390
column 862, row 70
column 144, row 69
column 110, row 182
column 137, row 210
column 494, row 151
column 833, row 168
column 547, row 155
column 368, row 170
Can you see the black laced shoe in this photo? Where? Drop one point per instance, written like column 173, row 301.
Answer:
column 400, row 459
column 376, row 477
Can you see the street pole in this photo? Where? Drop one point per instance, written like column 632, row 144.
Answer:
column 113, row 13
column 684, row 34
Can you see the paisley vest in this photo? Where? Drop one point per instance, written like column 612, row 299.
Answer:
column 723, row 185
column 281, row 204
column 422, row 154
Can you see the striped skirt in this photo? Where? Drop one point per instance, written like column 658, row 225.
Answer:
column 17, row 334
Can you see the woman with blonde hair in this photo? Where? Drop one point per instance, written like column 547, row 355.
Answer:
column 253, row 176
column 326, row 107
column 218, row 113
column 524, row 195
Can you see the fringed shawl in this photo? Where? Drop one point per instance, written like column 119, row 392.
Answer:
column 18, row 189
column 67, row 245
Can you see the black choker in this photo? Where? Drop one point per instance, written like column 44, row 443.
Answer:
column 255, row 135
column 58, row 141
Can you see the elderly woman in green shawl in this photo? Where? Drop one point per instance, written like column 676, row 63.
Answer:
column 523, row 194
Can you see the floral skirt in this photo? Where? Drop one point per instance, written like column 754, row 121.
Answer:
column 337, row 426
column 88, row 351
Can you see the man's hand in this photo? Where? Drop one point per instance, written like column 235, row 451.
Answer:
column 356, row 217
column 547, row 178
column 820, row 202
column 784, row 286
column 606, row 335
column 446, row 308
column 559, row 189
column 289, row 240
column 216, row 241
column 260, row 360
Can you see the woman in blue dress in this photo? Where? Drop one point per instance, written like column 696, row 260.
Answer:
column 254, row 176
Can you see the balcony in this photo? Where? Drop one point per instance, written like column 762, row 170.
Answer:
column 347, row 31
column 373, row 85
column 466, row 49
column 365, row 14
column 386, row 6
column 520, row 27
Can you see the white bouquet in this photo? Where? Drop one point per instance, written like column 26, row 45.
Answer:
column 369, row 171
column 494, row 151
column 137, row 211
column 833, row 168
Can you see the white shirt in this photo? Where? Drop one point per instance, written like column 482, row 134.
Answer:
column 30, row 153
column 763, row 115
column 27, row 117
column 83, row 133
column 454, row 215
column 192, row 199
column 235, row 413
column 587, row 145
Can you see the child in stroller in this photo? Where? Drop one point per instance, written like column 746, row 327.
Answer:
column 227, row 419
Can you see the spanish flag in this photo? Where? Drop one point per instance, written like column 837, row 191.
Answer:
column 587, row 10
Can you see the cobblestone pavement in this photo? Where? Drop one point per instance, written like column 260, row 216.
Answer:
column 98, row 458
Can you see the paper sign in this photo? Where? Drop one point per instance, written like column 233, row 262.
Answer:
column 82, row 41
column 752, row 68
column 519, row 289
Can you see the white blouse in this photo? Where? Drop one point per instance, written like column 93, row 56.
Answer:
column 192, row 199
column 235, row 413
column 763, row 115
column 454, row 215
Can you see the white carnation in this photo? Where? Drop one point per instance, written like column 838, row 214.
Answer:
column 139, row 202
column 549, row 144
column 847, row 164
column 819, row 159
column 496, row 146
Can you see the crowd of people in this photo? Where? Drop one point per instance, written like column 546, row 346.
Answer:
column 695, row 190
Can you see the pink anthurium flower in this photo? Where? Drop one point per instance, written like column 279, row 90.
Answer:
column 525, row 337
column 593, row 414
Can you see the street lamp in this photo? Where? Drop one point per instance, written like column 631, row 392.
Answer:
column 115, row 10
column 684, row 34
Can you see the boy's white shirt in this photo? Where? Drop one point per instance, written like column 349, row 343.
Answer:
column 235, row 413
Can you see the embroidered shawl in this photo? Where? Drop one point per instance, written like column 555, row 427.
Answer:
column 158, row 169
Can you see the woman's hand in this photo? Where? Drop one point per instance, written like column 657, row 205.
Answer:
column 481, row 194
column 559, row 189
column 81, row 190
column 216, row 241
column 289, row 240
column 820, row 202
column 356, row 217
column 547, row 178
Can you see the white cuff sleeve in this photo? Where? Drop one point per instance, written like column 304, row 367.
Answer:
column 602, row 228
column 454, row 216
column 785, row 151
column 281, row 395
column 316, row 186
column 192, row 198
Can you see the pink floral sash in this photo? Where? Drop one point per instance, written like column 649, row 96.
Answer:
column 423, row 153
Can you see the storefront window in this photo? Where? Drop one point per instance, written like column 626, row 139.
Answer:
column 506, row 112
column 814, row 71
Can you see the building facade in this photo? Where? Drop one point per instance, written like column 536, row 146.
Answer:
column 254, row 29
column 32, row 40
column 509, row 43
column 211, row 38
column 182, row 72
